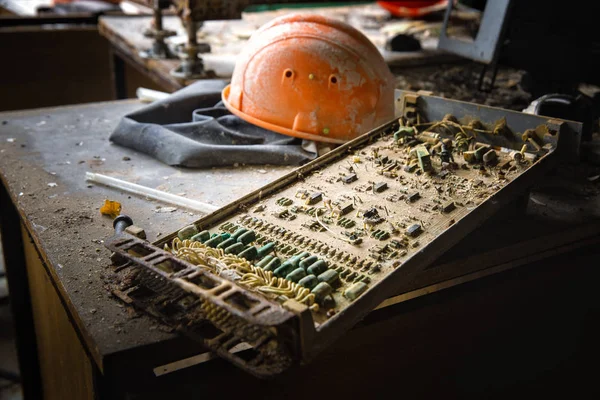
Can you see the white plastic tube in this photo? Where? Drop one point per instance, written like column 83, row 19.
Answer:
column 149, row 95
column 150, row 193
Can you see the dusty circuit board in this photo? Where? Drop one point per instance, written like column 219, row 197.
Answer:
column 347, row 226
column 288, row 268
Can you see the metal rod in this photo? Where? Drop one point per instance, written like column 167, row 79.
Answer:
column 158, row 23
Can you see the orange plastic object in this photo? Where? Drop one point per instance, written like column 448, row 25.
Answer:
column 311, row 77
column 413, row 8
column 73, row 1
column 111, row 208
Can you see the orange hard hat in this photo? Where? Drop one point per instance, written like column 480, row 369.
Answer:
column 311, row 77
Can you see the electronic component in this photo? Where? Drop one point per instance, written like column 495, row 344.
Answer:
column 349, row 178
column 380, row 234
column 310, row 254
column 314, row 198
column 448, row 207
column 371, row 213
column 309, row 281
column 345, row 209
column 330, row 276
column 187, row 232
column 424, row 158
column 380, row 187
column 201, row 237
column 285, row 202
column 413, row 197
column 414, row 230
column 410, row 167
column 346, row 223
column 322, row 290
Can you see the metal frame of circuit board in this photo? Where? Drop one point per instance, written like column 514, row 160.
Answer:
column 564, row 144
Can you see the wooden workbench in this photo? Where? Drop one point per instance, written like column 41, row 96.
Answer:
column 89, row 344
column 227, row 38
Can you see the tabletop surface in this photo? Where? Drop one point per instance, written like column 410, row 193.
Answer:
column 24, row 7
column 45, row 153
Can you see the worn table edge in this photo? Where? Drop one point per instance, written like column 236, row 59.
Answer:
column 89, row 343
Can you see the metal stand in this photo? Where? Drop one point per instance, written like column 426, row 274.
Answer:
column 159, row 48
column 480, row 84
column 191, row 66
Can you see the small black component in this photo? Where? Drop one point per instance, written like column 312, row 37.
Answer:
column 448, row 207
column 446, row 154
column 414, row 197
column 371, row 213
column 414, row 230
column 380, row 187
column 345, row 209
column 410, row 168
column 382, row 160
column 349, row 178
column 315, row 198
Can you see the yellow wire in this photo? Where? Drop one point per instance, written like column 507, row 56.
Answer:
column 252, row 277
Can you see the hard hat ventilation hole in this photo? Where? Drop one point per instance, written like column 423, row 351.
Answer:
column 288, row 73
column 333, row 81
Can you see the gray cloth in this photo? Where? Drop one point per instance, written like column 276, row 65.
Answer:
column 192, row 128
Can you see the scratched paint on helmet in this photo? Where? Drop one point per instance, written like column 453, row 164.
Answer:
column 311, row 77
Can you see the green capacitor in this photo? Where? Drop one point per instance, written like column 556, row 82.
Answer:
column 263, row 263
column 273, row 264
column 308, row 261
column 309, row 281
column 295, row 260
column 296, row 275
column 317, row 268
column 239, row 233
column 480, row 152
column 214, row 241
column 284, row 269
column 289, row 265
column 329, row 276
column 247, row 237
column 235, row 248
column 249, row 254
column 355, row 290
column 266, row 249
column 226, row 243
column 201, row 237
column 322, row 290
